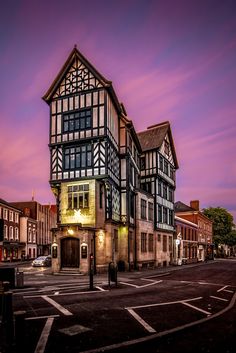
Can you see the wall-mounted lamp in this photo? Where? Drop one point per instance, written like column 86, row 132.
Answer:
column 70, row 231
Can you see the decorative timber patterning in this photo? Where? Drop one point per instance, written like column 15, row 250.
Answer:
column 99, row 155
column 113, row 164
column 78, row 79
column 115, row 204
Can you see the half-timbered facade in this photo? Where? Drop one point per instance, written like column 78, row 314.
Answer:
column 95, row 171
column 158, row 166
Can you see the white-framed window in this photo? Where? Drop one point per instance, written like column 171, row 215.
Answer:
column 5, row 214
column 29, row 235
column 16, row 218
column 10, row 232
column 34, row 235
column 5, row 232
column 16, row 233
column 11, row 216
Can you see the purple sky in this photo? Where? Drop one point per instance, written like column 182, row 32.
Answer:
column 169, row 60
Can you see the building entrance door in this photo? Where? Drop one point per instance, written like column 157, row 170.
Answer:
column 70, row 252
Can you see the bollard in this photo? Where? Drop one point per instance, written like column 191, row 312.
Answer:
column 7, row 321
column 91, row 279
column 19, row 330
column 91, row 267
column 6, row 286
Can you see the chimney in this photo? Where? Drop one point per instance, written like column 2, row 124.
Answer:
column 194, row 204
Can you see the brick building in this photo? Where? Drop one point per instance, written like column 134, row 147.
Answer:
column 11, row 243
column 37, row 222
column 193, row 214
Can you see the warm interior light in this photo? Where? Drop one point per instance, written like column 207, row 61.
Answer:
column 70, row 231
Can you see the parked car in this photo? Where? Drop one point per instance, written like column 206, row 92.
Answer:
column 42, row 261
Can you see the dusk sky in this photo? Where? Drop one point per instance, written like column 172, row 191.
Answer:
column 168, row 60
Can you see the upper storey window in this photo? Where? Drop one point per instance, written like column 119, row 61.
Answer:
column 78, row 157
column 80, row 120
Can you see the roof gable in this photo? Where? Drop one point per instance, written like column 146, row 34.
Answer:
column 154, row 138
column 76, row 75
column 181, row 207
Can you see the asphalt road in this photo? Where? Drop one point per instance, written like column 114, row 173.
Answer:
column 181, row 309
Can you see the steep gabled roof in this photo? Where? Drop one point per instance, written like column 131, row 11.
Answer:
column 153, row 137
column 75, row 53
column 181, row 207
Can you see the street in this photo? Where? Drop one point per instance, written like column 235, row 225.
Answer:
column 188, row 308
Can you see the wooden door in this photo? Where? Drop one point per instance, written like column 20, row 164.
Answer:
column 70, row 252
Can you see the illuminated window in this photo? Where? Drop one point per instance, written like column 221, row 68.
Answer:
column 78, row 196
column 81, row 120
column 78, row 157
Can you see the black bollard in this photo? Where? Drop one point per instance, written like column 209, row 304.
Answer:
column 7, row 321
column 91, row 266
column 91, row 279
column 19, row 330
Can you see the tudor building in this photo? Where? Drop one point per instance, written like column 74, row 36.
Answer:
column 103, row 210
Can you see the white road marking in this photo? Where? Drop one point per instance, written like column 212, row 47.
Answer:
column 101, row 289
column 57, row 306
column 228, row 290
column 129, row 284
column 219, row 290
column 44, row 336
column 196, row 308
column 158, row 275
column 141, row 321
column 224, row 300
column 160, row 304
column 143, row 286
column 62, row 294
column 56, row 293
column 41, row 317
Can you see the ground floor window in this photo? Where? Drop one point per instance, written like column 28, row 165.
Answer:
column 78, row 196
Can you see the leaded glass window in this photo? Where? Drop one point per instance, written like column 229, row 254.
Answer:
column 76, row 121
column 78, row 196
column 78, row 157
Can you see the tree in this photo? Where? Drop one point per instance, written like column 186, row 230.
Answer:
column 222, row 225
